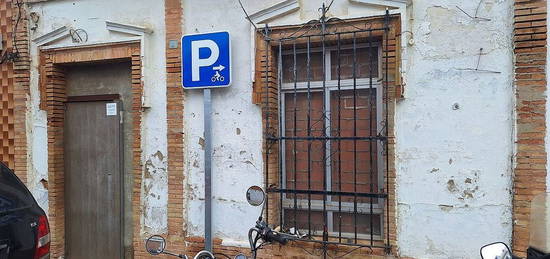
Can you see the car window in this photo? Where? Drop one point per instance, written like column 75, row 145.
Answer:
column 13, row 194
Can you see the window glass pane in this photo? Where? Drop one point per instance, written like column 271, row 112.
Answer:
column 345, row 221
column 354, row 162
column 315, row 64
column 364, row 58
column 299, row 218
column 296, row 158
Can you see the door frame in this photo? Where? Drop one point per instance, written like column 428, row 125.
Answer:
column 52, row 99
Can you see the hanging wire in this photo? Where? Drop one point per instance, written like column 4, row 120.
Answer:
column 476, row 69
column 474, row 17
column 247, row 16
column 13, row 55
column 329, row 5
column 16, row 53
column 264, row 32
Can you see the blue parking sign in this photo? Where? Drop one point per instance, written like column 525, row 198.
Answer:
column 206, row 60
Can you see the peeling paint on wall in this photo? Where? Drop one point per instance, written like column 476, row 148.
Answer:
column 155, row 194
column 454, row 130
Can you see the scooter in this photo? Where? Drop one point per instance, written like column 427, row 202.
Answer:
column 258, row 236
column 500, row 250
column 539, row 244
column 155, row 245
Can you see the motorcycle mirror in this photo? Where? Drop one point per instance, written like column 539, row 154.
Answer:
column 255, row 196
column 240, row 256
column 496, row 250
column 155, row 245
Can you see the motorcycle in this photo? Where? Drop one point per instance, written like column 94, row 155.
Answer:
column 258, row 236
column 539, row 244
column 261, row 234
column 155, row 245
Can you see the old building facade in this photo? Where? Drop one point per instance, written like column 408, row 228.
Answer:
column 421, row 125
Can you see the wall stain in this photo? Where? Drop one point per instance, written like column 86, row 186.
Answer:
column 201, row 143
column 445, row 208
column 465, row 189
column 154, row 193
column 44, row 183
column 451, row 186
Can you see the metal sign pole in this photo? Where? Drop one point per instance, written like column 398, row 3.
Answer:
column 206, row 72
column 208, row 169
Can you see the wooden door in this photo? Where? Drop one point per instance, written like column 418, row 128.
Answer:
column 93, row 166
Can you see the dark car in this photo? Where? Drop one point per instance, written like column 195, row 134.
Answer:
column 24, row 230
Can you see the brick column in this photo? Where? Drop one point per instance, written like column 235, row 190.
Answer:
column 530, row 83
column 7, row 153
column 174, row 115
column 21, row 91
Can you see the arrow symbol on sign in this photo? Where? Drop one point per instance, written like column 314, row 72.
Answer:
column 219, row 68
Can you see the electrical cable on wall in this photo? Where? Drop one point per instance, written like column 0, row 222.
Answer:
column 476, row 69
column 8, row 55
column 16, row 27
column 247, row 16
column 474, row 17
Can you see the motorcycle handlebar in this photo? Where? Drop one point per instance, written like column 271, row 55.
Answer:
column 280, row 238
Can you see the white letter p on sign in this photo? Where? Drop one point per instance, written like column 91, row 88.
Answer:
column 197, row 62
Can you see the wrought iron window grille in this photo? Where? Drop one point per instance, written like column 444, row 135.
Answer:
column 326, row 134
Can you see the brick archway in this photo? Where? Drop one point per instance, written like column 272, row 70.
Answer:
column 53, row 96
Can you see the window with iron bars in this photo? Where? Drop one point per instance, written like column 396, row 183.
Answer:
column 324, row 94
column 348, row 110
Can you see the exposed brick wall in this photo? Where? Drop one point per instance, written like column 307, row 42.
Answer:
column 137, row 115
column 7, row 151
column 14, row 89
column 174, row 110
column 53, row 96
column 530, row 82
column 21, row 93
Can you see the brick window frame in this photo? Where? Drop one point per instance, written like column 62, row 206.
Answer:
column 52, row 98
column 266, row 77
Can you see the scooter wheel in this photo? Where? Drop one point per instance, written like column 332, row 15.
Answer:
column 204, row 255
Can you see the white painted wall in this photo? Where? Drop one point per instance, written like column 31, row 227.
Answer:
column 238, row 161
column 454, row 166
column 237, row 131
column 91, row 15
